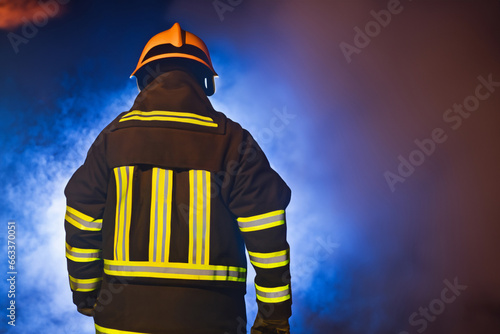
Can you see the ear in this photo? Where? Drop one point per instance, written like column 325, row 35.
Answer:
column 209, row 86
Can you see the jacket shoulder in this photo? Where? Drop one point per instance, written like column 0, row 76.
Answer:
column 234, row 129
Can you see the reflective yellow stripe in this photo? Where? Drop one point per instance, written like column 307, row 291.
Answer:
column 167, row 217
column 128, row 213
column 174, row 270
column 82, row 254
column 160, row 216
column 170, row 116
column 153, row 216
column 167, row 113
column 124, row 180
column 206, row 205
column 272, row 295
column 270, row 260
column 199, row 216
column 161, row 209
column 119, row 209
column 104, row 330
column 82, row 221
column 84, row 285
column 261, row 222
column 192, row 240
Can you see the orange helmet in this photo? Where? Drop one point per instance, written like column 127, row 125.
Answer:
column 176, row 43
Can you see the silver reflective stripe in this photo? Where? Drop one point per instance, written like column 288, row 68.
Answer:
column 124, row 181
column 199, row 217
column 204, row 218
column 126, row 220
column 260, row 222
column 256, row 260
column 175, row 271
column 273, row 294
column 84, row 285
column 194, row 221
column 160, row 216
column 166, row 215
column 118, row 212
column 172, row 270
column 84, row 223
column 155, row 237
column 83, row 256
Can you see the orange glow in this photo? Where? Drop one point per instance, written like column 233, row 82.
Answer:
column 14, row 13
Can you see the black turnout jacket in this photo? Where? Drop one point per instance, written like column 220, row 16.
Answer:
column 170, row 195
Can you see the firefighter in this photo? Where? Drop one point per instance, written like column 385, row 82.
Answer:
column 169, row 196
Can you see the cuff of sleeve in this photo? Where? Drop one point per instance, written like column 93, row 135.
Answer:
column 85, row 299
column 275, row 311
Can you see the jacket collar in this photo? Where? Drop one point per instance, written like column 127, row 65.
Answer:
column 174, row 91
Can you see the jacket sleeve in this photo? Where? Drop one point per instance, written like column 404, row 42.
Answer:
column 86, row 196
column 258, row 199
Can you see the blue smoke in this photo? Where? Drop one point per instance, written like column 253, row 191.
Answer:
column 38, row 165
